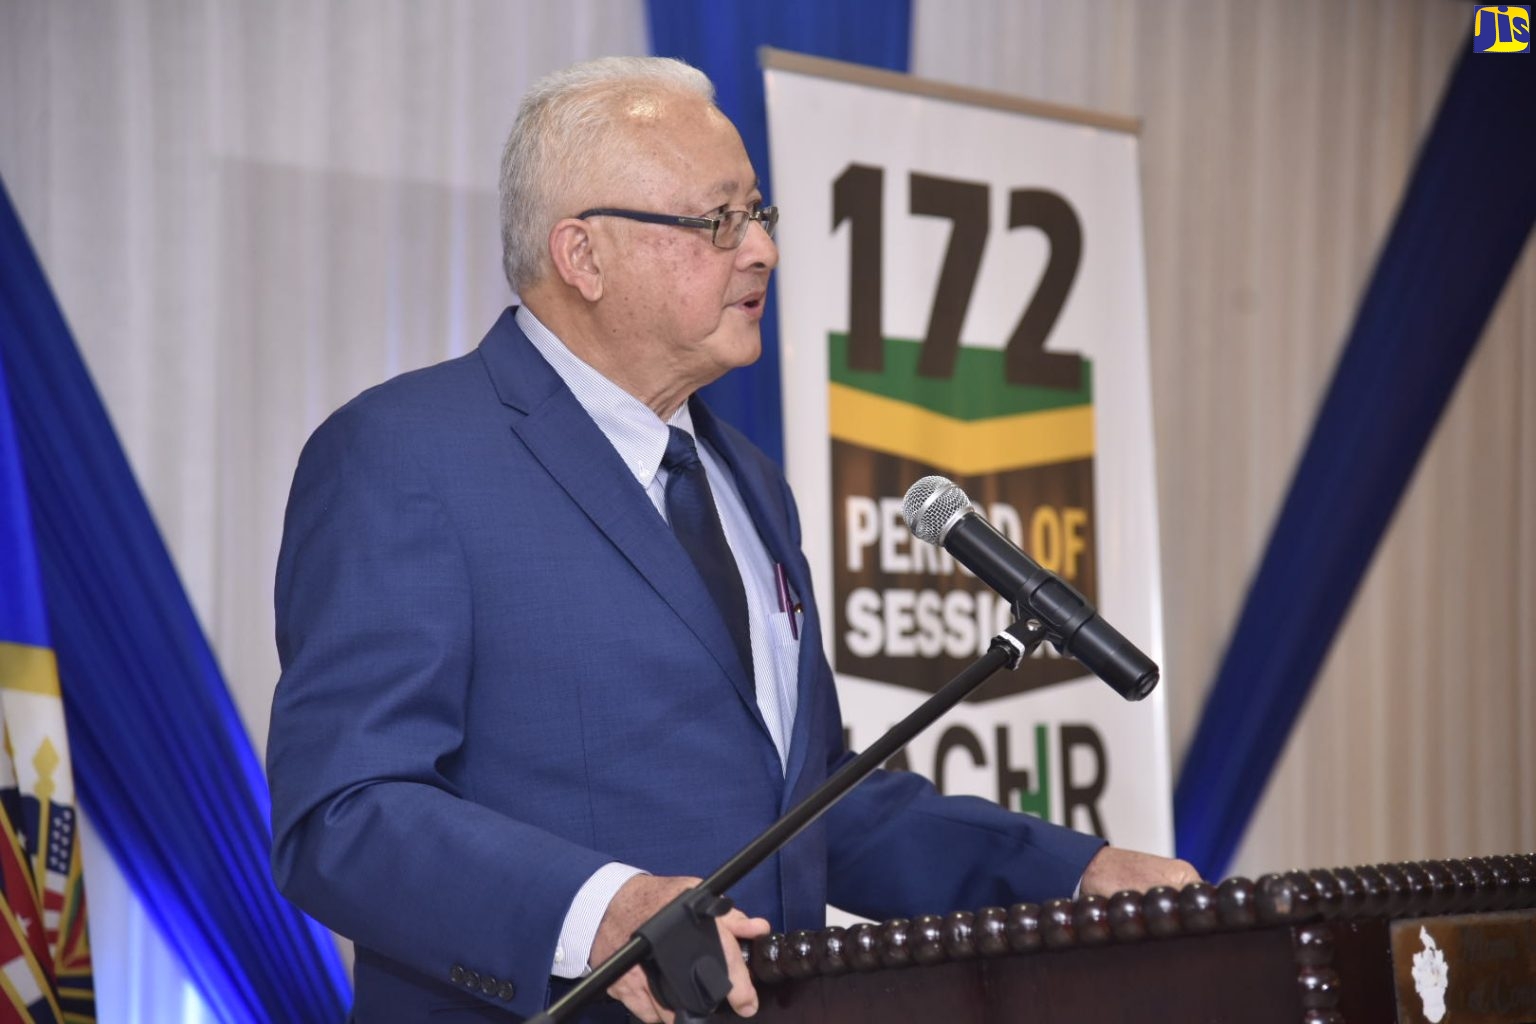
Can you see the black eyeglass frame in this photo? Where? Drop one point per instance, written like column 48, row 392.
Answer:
column 767, row 216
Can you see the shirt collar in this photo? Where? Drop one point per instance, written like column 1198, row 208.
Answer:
column 634, row 430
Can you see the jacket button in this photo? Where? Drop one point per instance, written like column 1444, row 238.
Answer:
column 506, row 992
column 488, row 986
column 456, row 975
column 471, row 979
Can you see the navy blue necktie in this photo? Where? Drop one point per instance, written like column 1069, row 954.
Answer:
column 691, row 511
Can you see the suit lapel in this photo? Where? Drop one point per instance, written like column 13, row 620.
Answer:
column 765, row 502
column 558, row 433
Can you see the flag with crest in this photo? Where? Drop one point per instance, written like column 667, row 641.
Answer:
column 45, row 957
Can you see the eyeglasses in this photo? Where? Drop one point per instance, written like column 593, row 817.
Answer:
column 726, row 230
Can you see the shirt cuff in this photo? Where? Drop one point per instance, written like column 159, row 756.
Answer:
column 587, row 908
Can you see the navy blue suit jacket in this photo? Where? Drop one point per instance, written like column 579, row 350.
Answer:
column 501, row 671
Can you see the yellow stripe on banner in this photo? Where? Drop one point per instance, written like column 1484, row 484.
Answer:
column 29, row 669
column 962, row 447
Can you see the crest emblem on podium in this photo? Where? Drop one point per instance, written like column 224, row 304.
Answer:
column 1431, row 977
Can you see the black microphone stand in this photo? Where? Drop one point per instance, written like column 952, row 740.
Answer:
column 680, row 944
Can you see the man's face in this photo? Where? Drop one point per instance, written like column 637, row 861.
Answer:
column 671, row 297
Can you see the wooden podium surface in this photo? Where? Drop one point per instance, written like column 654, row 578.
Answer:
column 1345, row 946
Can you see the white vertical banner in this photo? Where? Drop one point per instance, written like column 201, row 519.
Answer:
column 962, row 292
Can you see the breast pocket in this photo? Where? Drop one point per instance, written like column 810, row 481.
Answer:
column 786, row 637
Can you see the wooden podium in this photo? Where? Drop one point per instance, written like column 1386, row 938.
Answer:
column 1321, row 946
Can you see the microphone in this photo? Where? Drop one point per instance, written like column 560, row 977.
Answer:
column 938, row 512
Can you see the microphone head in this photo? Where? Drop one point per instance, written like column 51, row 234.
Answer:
column 932, row 506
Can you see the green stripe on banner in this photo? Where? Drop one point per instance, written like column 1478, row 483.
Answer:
column 977, row 390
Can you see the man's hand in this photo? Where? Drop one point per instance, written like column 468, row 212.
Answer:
column 1112, row 870
column 639, row 898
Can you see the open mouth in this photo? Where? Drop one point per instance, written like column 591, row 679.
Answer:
column 752, row 303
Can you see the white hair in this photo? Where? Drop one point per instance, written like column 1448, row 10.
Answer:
column 561, row 131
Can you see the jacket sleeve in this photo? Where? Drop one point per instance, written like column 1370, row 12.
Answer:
column 374, row 630
column 897, row 848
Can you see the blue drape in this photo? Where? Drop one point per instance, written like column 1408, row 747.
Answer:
column 162, row 761
column 721, row 39
column 43, row 813
column 1464, row 219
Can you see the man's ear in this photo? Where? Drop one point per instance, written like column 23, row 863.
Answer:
column 571, row 252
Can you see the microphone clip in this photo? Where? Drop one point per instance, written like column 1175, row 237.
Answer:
column 1019, row 640
column 686, row 967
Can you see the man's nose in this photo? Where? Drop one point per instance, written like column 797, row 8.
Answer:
column 758, row 249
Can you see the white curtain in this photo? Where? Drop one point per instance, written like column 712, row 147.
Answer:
column 249, row 213
column 1276, row 141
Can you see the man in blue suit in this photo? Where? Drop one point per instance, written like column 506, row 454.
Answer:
column 543, row 665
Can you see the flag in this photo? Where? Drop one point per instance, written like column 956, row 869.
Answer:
column 45, row 956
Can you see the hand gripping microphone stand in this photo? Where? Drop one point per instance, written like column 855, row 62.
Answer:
column 680, row 944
